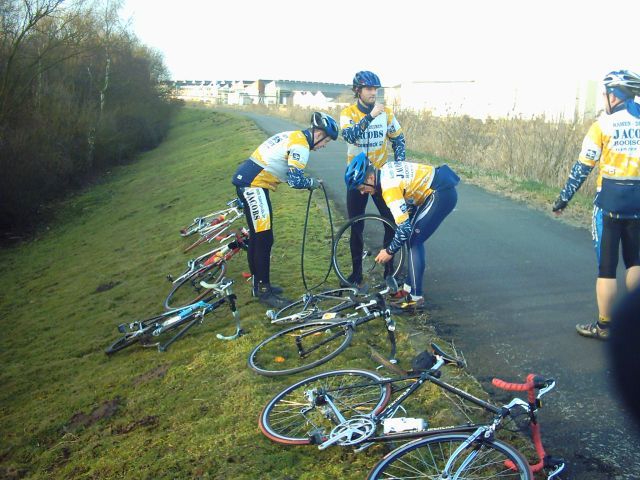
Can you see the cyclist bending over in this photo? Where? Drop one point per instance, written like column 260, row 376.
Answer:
column 613, row 143
column 420, row 197
column 367, row 127
column 281, row 158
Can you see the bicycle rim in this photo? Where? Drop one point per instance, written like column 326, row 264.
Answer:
column 349, row 259
column 189, row 290
column 281, row 354
column 427, row 457
column 291, row 417
column 329, row 301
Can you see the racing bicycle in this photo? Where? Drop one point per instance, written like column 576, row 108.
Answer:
column 149, row 332
column 325, row 304
column 213, row 225
column 209, row 268
column 354, row 408
column 302, row 347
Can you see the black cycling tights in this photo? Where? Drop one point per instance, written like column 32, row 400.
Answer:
column 357, row 205
column 260, row 243
column 614, row 233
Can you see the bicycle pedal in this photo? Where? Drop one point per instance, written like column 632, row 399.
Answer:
column 170, row 278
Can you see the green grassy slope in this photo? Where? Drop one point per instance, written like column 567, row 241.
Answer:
column 69, row 411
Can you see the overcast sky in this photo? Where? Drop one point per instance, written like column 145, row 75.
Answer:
column 400, row 40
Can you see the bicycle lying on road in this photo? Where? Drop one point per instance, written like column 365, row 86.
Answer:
column 214, row 225
column 302, row 347
column 350, row 407
column 209, row 268
column 145, row 331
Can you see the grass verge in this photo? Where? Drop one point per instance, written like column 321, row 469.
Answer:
column 69, row 411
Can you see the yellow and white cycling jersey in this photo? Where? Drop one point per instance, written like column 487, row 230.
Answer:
column 405, row 185
column 272, row 160
column 613, row 141
column 374, row 141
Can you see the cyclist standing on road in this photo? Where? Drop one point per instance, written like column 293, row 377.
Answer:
column 613, row 142
column 368, row 127
column 420, row 197
column 281, row 158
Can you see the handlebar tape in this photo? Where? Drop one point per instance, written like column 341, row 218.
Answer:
column 533, row 381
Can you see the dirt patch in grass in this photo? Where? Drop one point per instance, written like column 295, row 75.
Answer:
column 103, row 287
column 158, row 372
column 149, row 421
column 82, row 420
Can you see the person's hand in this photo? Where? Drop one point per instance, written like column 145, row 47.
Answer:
column 315, row 183
column 383, row 256
column 378, row 108
column 559, row 205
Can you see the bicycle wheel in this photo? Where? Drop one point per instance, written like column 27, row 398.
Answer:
column 329, row 301
column 426, row 458
column 291, row 417
column 356, row 246
column 124, row 342
column 188, row 290
column 300, row 348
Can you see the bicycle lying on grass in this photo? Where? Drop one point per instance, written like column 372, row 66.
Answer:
column 214, row 225
column 209, row 268
column 350, row 407
column 302, row 347
column 321, row 305
column 145, row 331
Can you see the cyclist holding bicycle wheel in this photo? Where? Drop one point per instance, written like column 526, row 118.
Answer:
column 281, row 158
column 420, row 197
column 368, row 127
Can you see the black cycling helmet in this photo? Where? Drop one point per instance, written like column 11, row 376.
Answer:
column 365, row 78
column 325, row 123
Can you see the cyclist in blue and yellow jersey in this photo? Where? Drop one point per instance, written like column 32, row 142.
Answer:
column 419, row 197
column 281, row 158
column 368, row 127
column 612, row 143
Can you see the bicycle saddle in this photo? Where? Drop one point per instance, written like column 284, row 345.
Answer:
column 423, row 362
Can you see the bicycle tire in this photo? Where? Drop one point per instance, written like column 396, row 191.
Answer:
column 329, row 301
column 425, row 458
column 123, row 343
column 279, row 354
column 373, row 237
column 188, row 290
column 283, row 419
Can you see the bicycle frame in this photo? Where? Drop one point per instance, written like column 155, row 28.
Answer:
column 207, row 221
column 477, row 432
column 352, row 323
column 308, row 309
column 222, row 294
column 237, row 241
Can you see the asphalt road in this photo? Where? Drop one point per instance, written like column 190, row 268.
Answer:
column 508, row 284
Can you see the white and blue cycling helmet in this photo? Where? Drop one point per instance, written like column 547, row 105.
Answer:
column 622, row 81
column 325, row 123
